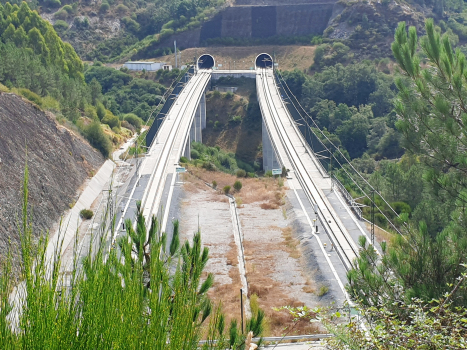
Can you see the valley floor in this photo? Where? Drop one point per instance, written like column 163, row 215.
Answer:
column 276, row 270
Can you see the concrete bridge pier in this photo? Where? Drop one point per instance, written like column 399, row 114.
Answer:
column 198, row 125
column 202, row 106
column 269, row 154
column 187, row 151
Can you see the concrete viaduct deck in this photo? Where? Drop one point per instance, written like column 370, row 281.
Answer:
column 328, row 217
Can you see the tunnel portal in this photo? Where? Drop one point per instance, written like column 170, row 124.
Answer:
column 206, row 62
column 264, row 60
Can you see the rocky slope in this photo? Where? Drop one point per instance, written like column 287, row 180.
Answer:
column 368, row 26
column 59, row 162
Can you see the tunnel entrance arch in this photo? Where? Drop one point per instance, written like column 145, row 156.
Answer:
column 206, row 62
column 264, row 60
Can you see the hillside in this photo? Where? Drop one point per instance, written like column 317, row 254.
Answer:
column 289, row 57
column 59, row 162
column 234, row 121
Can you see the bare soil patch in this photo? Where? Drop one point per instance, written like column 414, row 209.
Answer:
column 276, row 271
column 212, row 211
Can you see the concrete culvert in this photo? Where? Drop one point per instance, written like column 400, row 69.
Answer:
column 206, row 62
column 264, row 60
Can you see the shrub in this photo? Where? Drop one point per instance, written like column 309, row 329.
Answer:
column 61, row 14
column 236, row 119
column 60, row 25
column 50, row 104
column 238, row 186
column 323, row 290
column 68, row 9
column 401, row 207
column 209, row 166
column 134, row 120
column 194, row 154
column 280, row 183
column 81, row 22
column 31, row 96
column 104, row 7
column 128, row 126
column 229, row 95
column 111, row 120
column 122, row 9
column 54, row 3
column 268, row 173
column 241, row 173
column 98, row 139
column 226, row 189
column 166, row 33
column 3, row 88
column 86, row 214
column 214, row 184
column 380, row 220
column 130, row 24
column 183, row 160
column 100, row 109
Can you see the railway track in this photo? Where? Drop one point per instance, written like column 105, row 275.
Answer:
column 286, row 138
column 165, row 151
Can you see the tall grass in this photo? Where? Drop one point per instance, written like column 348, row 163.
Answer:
column 147, row 293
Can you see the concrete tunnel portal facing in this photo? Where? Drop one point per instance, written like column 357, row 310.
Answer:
column 264, row 60
column 206, row 62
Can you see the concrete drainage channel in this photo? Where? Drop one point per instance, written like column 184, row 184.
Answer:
column 238, row 237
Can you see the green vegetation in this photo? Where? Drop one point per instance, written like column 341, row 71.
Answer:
column 86, row 214
column 35, row 58
column 123, row 94
column 214, row 158
column 353, row 104
column 151, row 293
column 147, row 24
column 433, row 130
column 274, row 40
column 414, row 295
column 235, row 120
column 38, row 65
column 226, row 189
column 237, row 185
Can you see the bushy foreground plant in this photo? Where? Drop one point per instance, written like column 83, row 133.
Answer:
column 145, row 293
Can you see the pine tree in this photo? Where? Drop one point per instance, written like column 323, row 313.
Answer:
column 432, row 116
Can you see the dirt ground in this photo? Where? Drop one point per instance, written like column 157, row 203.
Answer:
column 289, row 57
column 209, row 211
column 276, row 274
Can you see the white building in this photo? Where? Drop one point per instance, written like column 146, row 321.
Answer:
column 147, row 66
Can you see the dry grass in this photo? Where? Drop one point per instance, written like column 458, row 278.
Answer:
column 271, row 293
column 264, row 190
column 289, row 57
column 380, row 234
column 291, row 243
column 232, row 255
column 309, row 287
column 228, row 295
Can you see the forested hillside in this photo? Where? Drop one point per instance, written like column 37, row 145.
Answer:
column 37, row 64
column 113, row 29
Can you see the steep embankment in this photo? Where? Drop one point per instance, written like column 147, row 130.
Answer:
column 234, row 121
column 59, row 162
